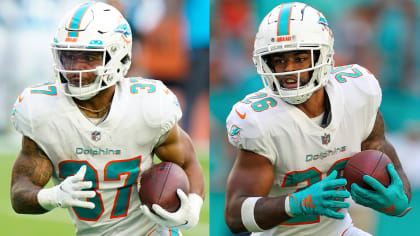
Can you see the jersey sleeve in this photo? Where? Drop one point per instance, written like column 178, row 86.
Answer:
column 21, row 116
column 162, row 110
column 32, row 113
column 245, row 131
column 372, row 90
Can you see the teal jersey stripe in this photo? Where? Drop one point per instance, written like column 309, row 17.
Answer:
column 73, row 34
column 284, row 19
column 174, row 232
column 74, row 24
column 323, row 20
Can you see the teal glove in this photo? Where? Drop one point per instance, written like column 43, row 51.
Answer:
column 319, row 198
column 391, row 200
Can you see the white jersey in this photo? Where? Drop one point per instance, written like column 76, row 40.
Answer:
column 302, row 152
column 116, row 151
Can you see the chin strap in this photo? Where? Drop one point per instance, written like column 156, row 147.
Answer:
column 297, row 100
column 326, row 119
column 73, row 91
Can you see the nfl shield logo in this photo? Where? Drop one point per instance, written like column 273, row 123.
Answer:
column 96, row 135
column 325, row 139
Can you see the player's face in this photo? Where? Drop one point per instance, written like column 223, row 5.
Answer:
column 80, row 60
column 291, row 61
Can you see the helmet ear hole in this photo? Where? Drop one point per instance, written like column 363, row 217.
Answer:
column 107, row 57
column 62, row 79
column 267, row 60
column 125, row 59
column 317, row 53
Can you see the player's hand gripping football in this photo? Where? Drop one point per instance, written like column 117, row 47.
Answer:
column 391, row 200
column 68, row 193
column 320, row 198
column 184, row 218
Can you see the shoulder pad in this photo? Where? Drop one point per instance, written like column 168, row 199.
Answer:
column 24, row 116
column 160, row 106
column 246, row 130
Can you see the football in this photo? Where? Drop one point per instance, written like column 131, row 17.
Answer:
column 158, row 185
column 368, row 162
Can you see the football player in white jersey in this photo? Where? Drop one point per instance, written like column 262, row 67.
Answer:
column 295, row 135
column 93, row 132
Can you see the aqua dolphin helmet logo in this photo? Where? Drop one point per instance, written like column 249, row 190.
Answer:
column 124, row 30
column 323, row 21
column 235, row 132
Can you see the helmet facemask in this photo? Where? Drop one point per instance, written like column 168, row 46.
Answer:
column 91, row 49
column 304, row 89
column 294, row 27
column 81, row 71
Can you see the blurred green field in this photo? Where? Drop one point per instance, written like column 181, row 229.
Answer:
column 58, row 222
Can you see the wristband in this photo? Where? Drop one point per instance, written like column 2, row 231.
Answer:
column 196, row 202
column 247, row 214
column 404, row 212
column 287, row 206
column 46, row 198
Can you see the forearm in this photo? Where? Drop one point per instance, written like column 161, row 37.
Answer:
column 24, row 198
column 324, row 197
column 268, row 213
column 178, row 148
column 31, row 171
column 195, row 177
column 387, row 148
column 378, row 141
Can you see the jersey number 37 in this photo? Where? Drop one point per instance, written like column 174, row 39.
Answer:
column 113, row 171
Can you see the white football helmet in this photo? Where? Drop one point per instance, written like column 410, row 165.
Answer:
column 91, row 29
column 292, row 27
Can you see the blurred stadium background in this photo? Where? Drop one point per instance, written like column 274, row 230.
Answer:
column 170, row 43
column 381, row 35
